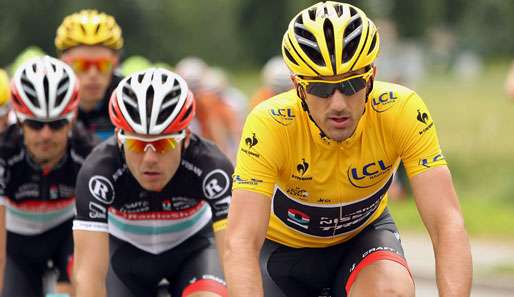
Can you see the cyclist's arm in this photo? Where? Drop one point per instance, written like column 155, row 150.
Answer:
column 2, row 245
column 220, row 244
column 439, row 208
column 247, row 224
column 91, row 261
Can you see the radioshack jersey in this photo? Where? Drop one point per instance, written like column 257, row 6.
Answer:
column 38, row 200
column 324, row 192
column 109, row 198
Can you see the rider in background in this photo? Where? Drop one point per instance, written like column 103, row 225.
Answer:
column 40, row 157
column 276, row 79
column 152, row 200
column 309, row 209
column 90, row 42
column 215, row 119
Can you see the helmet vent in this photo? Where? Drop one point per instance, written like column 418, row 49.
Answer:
column 373, row 42
column 61, row 89
column 328, row 28
column 312, row 15
column 149, row 103
column 97, row 28
column 290, row 57
column 308, row 43
column 129, row 97
column 352, row 11
column 29, row 90
column 351, row 37
column 46, row 88
column 170, row 102
column 140, row 78
column 339, row 10
column 83, row 29
column 187, row 113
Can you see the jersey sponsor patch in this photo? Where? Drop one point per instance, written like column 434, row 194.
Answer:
column 97, row 211
column 283, row 116
column 369, row 174
column 102, row 189
column 326, row 221
column 384, row 101
column 215, row 184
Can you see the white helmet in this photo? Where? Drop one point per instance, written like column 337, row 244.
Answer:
column 152, row 102
column 45, row 89
column 276, row 75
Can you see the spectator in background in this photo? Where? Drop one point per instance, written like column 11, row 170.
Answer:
column 90, row 41
column 276, row 78
column 509, row 82
column 5, row 99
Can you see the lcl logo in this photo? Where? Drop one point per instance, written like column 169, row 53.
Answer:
column 367, row 175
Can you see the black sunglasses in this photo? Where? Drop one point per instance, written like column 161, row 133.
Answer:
column 53, row 125
column 347, row 86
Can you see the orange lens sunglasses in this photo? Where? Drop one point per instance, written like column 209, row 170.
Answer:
column 81, row 64
column 160, row 144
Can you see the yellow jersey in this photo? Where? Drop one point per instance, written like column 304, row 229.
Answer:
column 324, row 192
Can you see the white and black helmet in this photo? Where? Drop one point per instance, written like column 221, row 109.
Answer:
column 45, row 89
column 152, row 102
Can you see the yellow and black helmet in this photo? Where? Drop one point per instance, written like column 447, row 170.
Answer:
column 89, row 27
column 328, row 39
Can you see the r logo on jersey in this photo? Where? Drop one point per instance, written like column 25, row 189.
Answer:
column 102, row 189
column 215, row 184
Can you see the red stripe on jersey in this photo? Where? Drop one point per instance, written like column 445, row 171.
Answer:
column 158, row 215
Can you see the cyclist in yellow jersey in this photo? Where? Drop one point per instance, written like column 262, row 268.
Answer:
column 309, row 213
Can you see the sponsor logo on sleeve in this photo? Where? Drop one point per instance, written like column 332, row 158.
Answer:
column 215, row 184
column 283, row 116
column 429, row 162
column 243, row 181
column 250, row 142
column 97, row 211
column 384, row 101
column 102, row 189
column 425, row 119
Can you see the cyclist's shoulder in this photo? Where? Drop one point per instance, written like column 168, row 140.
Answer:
column 11, row 141
column 204, row 155
column 82, row 142
column 280, row 111
column 390, row 98
column 104, row 159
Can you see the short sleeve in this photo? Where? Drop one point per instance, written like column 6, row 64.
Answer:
column 259, row 155
column 416, row 137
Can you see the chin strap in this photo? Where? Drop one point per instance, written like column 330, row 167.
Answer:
column 300, row 92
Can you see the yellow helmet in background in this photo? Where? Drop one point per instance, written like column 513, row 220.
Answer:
column 134, row 64
column 329, row 38
column 89, row 27
column 5, row 93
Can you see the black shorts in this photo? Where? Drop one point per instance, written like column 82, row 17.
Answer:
column 192, row 265
column 28, row 258
column 330, row 271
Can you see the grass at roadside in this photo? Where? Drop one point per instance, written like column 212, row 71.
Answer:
column 483, row 218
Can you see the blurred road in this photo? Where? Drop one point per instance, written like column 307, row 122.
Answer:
column 489, row 258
